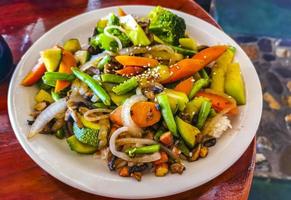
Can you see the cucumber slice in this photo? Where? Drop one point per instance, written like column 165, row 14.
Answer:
column 72, row 45
column 86, row 135
column 51, row 58
column 79, row 147
column 82, row 56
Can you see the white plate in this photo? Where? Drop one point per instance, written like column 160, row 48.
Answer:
column 92, row 175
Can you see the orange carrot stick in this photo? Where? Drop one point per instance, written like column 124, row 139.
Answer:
column 144, row 114
column 210, row 54
column 185, row 86
column 137, row 61
column 219, row 102
column 121, row 12
column 34, row 75
column 68, row 61
column 130, row 70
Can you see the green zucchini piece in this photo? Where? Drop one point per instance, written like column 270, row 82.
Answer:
column 187, row 131
column 86, row 135
column 79, row 147
column 51, row 58
column 72, row 45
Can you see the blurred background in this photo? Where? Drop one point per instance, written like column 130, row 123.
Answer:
column 263, row 29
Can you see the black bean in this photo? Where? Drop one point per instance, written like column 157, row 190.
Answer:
column 137, row 168
column 29, row 122
column 209, row 142
column 111, row 163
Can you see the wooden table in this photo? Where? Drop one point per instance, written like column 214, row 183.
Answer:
column 20, row 177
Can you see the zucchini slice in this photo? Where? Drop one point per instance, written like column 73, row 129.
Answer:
column 51, row 58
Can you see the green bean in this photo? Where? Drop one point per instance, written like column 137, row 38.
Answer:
column 94, row 85
column 143, row 150
column 55, row 96
column 203, row 113
column 203, row 74
column 113, row 78
column 167, row 113
column 198, row 85
column 125, row 87
column 60, row 133
column 184, row 149
column 103, row 62
column 158, row 135
column 50, row 78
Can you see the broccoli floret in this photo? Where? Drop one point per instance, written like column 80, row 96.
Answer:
column 113, row 20
column 125, row 41
column 166, row 25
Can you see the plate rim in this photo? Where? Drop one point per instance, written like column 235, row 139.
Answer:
column 69, row 181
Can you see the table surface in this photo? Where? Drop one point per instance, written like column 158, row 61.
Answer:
column 20, row 177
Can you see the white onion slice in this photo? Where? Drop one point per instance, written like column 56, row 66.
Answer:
column 142, row 141
column 138, row 91
column 126, row 115
column 46, row 116
column 112, row 36
column 93, row 61
column 124, row 156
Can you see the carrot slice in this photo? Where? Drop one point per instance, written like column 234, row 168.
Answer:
column 183, row 69
column 164, row 158
column 34, row 75
column 210, row 54
column 185, row 86
column 144, row 114
column 167, row 138
column 137, row 61
column 219, row 102
column 121, row 12
column 130, row 71
column 68, row 61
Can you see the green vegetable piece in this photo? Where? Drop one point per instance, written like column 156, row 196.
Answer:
column 82, row 56
column 93, row 85
column 113, row 78
column 167, row 113
column 134, row 31
column 234, row 84
column 180, row 97
column 113, row 20
column 126, row 86
column 166, row 25
column 51, row 58
column 188, row 43
column 50, row 78
column 185, row 52
column 60, row 133
column 43, row 95
column 203, row 74
column 103, row 62
column 43, row 86
column 101, row 24
column 158, row 40
column 158, row 134
column 212, row 113
column 119, row 99
column 173, row 104
column 104, row 42
column 187, row 131
column 143, row 150
column 86, row 135
column 99, row 105
column 55, row 96
column 183, row 148
column 219, row 69
column 198, row 85
column 194, row 106
column 72, row 45
column 79, row 147
column 203, row 113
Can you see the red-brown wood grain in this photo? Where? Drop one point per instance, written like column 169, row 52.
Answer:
column 22, row 22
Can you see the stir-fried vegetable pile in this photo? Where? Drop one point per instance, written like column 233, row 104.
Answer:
column 142, row 95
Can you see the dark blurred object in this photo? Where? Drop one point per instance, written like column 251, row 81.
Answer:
column 205, row 4
column 6, row 60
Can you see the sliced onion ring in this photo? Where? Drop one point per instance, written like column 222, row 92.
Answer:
column 46, row 116
column 124, row 156
column 127, row 121
column 142, row 141
column 106, row 29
